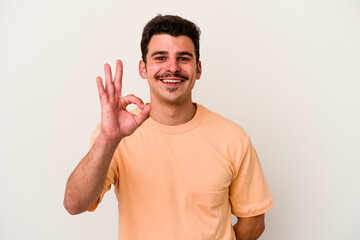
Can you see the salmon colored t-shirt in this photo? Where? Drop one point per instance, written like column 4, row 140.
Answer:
column 183, row 182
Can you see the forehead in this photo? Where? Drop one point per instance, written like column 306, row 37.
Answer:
column 168, row 43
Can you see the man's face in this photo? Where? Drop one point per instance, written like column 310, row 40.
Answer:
column 171, row 69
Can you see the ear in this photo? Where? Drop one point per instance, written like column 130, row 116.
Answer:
column 198, row 70
column 142, row 69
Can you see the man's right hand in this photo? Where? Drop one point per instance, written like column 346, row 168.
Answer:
column 87, row 181
column 116, row 121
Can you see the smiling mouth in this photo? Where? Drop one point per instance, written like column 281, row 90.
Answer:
column 171, row 80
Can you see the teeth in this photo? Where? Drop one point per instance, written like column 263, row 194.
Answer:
column 170, row 81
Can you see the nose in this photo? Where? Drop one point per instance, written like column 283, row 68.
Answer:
column 172, row 66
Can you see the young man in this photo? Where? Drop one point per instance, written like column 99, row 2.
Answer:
column 179, row 170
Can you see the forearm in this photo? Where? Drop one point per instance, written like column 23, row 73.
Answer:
column 86, row 182
column 249, row 228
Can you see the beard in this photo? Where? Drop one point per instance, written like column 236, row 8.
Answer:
column 171, row 90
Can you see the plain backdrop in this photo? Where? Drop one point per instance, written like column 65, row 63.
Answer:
column 287, row 71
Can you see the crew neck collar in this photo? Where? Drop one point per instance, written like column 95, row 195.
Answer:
column 175, row 129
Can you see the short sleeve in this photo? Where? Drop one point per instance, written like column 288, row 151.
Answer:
column 249, row 192
column 112, row 176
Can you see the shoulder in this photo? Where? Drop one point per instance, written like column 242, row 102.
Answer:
column 223, row 125
column 226, row 135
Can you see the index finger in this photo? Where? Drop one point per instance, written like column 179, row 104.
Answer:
column 118, row 77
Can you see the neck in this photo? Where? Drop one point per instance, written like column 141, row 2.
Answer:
column 172, row 113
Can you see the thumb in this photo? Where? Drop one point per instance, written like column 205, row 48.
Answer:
column 143, row 115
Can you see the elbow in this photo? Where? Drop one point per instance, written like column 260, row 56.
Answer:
column 70, row 206
column 249, row 228
column 257, row 231
column 250, row 234
column 260, row 229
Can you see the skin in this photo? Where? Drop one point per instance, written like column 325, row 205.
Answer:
column 168, row 59
column 87, row 180
column 173, row 58
column 249, row 228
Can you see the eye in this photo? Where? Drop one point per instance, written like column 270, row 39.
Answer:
column 183, row 59
column 160, row 58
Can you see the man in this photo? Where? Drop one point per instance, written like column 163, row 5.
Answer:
column 179, row 170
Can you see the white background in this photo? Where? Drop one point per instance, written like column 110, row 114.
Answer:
column 287, row 71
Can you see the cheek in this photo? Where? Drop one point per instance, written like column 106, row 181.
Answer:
column 191, row 71
column 154, row 70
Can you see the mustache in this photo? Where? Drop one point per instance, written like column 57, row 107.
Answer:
column 166, row 75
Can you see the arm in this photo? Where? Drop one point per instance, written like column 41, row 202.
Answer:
column 86, row 182
column 249, row 228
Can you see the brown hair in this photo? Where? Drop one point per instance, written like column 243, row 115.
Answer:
column 172, row 25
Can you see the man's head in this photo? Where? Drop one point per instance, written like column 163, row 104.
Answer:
column 174, row 26
column 171, row 65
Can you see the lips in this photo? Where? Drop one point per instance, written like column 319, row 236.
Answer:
column 171, row 80
column 171, row 83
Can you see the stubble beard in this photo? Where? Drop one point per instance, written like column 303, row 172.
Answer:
column 172, row 90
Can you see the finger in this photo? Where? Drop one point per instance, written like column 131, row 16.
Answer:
column 101, row 90
column 118, row 77
column 131, row 99
column 143, row 115
column 109, row 86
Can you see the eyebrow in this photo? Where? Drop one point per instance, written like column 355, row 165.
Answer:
column 186, row 53
column 159, row 53
column 165, row 53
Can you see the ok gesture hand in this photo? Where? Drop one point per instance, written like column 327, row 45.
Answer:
column 116, row 121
